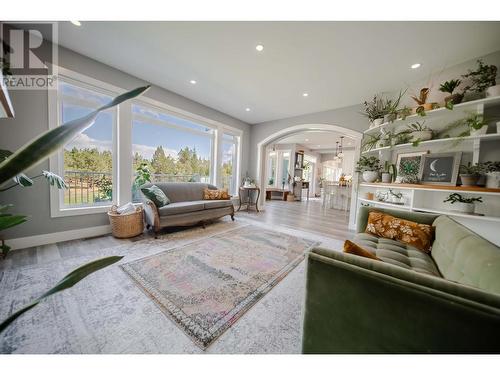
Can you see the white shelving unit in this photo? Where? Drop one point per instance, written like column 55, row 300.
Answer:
column 429, row 198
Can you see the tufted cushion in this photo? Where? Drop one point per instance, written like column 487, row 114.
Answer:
column 463, row 256
column 398, row 253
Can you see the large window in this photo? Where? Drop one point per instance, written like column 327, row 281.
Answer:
column 87, row 161
column 229, row 178
column 173, row 148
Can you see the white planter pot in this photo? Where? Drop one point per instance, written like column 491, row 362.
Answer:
column 376, row 122
column 423, row 135
column 370, row 176
column 467, row 208
column 386, row 177
column 481, row 131
column 493, row 180
column 493, row 91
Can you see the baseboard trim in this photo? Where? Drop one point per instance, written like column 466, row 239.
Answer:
column 44, row 239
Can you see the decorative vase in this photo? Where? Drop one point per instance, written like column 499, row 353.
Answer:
column 466, row 208
column 424, row 135
column 386, row 177
column 390, row 117
column 454, row 98
column 493, row 91
column 369, row 196
column 481, row 131
column 469, row 179
column 493, row 180
column 370, row 176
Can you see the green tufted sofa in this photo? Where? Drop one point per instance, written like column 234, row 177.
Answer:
column 410, row 302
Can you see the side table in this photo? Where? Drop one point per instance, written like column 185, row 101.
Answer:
column 248, row 192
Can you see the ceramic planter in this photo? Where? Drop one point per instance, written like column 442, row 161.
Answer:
column 493, row 180
column 370, row 176
column 493, row 91
column 422, row 135
column 467, row 208
column 386, row 177
column 481, row 131
column 469, row 179
column 454, row 98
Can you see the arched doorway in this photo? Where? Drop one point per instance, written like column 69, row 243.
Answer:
column 261, row 156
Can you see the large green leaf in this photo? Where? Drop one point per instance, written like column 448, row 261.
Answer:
column 9, row 221
column 23, row 180
column 49, row 142
column 67, row 282
column 55, row 180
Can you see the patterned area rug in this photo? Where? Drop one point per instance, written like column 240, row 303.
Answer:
column 205, row 286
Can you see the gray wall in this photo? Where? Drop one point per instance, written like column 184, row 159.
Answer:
column 31, row 119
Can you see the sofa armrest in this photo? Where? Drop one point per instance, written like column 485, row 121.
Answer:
column 358, row 305
column 151, row 214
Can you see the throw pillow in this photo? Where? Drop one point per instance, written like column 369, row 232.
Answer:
column 352, row 248
column 156, row 195
column 406, row 231
column 213, row 194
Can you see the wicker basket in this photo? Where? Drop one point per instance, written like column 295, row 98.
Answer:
column 128, row 225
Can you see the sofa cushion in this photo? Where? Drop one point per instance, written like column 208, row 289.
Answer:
column 215, row 194
column 398, row 253
column 181, row 208
column 183, row 191
column 155, row 194
column 463, row 256
column 355, row 249
column 217, row 203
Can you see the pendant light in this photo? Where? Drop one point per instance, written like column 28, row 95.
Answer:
column 336, row 157
column 341, row 154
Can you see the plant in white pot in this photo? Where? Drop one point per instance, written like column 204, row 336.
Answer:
column 369, row 167
column 492, row 171
column 462, row 204
column 482, row 80
column 374, row 110
column 419, row 132
column 469, row 174
column 391, row 107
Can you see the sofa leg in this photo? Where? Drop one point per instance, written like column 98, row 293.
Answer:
column 232, row 217
column 203, row 224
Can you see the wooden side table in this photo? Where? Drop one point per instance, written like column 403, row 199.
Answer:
column 248, row 201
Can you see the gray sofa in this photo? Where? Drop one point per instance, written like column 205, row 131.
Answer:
column 186, row 206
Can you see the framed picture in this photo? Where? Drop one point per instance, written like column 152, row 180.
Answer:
column 409, row 164
column 440, row 169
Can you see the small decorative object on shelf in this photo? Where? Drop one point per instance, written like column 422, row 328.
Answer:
column 396, row 197
column 469, row 174
column 369, row 166
column 419, row 132
column 440, row 169
column 492, row 171
column 389, row 174
column 408, row 167
column 422, row 102
column 449, row 87
column 462, row 204
column 482, row 80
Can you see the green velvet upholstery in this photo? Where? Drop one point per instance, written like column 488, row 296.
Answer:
column 464, row 257
column 410, row 302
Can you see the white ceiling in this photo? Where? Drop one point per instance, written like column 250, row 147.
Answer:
column 337, row 63
column 320, row 141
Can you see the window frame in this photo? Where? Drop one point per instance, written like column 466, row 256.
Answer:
column 237, row 158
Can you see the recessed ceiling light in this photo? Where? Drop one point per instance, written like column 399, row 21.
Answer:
column 415, row 66
column 305, row 94
column 319, row 146
column 307, row 140
column 259, row 47
column 76, row 23
column 193, row 82
column 247, row 109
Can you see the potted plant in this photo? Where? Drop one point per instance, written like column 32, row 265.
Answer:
column 449, row 87
column 492, row 171
column 369, row 166
column 469, row 174
column 482, row 80
column 391, row 108
column 476, row 124
column 374, row 110
column 370, row 142
column 404, row 112
column 422, row 102
column 389, row 173
column 462, row 204
column 419, row 132
column 395, row 198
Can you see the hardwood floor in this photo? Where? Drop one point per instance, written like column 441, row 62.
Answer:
column 309, row 216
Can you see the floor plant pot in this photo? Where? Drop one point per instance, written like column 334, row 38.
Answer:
column 469, row 179
column 493, row 91
column 493, row 180
column 481, row 131
column 386, row 177
column 422, row 135
column 370, row 176
column 466, row 208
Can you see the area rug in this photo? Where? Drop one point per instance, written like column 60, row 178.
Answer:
column 205, row 286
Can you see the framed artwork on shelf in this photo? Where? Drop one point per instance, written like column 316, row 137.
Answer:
column 408, row 166
column 440, row 169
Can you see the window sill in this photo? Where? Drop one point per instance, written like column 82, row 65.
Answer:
column 77, row 211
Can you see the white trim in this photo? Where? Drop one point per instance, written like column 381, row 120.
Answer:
column 49, row 238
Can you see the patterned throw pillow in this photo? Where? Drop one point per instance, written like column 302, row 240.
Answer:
column 156, row 195
column 394, row 228
column 352, row 248
column 209, row 194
